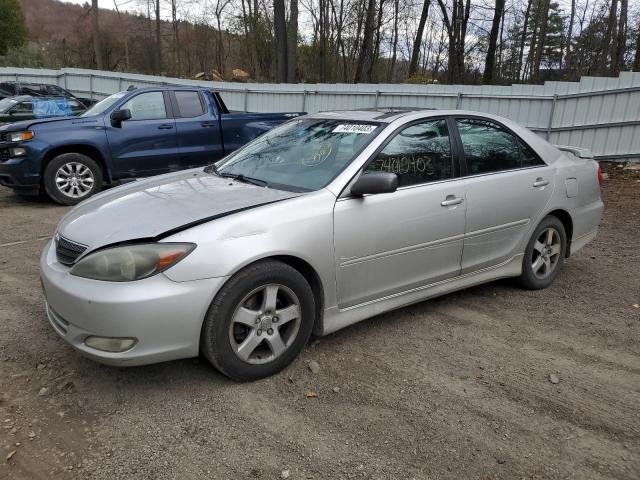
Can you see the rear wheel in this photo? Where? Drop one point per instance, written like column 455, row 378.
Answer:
column 71, row 177
column 259, row 321
column 544, row 254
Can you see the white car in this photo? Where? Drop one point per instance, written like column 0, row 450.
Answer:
column 320, row 223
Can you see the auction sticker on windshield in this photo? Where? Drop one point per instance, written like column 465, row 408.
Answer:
column 354, row 128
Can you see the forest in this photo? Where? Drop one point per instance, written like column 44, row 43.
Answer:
column 330, row 41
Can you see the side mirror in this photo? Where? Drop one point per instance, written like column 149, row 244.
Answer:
column 373, row 183
column 120, row 116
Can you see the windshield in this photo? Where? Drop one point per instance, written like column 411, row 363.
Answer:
column 7, row 103
column 301, row 155
column 102, row 105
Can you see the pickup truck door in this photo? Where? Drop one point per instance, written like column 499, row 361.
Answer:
column 147, row 143
column 198, row 128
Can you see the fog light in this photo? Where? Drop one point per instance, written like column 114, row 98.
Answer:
column 107, row 344
column 17, row 152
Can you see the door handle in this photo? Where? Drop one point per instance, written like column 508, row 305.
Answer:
column 165, row 126
column 540, row 182
column 208, row 124
column 451, row 200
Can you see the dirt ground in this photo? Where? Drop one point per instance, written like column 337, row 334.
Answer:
column 453, row 388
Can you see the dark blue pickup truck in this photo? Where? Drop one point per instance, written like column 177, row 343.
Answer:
column 130, row 134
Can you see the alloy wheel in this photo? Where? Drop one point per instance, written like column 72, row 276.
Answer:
column 265, row 324
column 546, row 253
column 74, row 179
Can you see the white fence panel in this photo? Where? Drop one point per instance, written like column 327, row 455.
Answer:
column 602, row 114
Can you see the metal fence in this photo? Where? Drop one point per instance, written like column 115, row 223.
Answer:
column 602, row 114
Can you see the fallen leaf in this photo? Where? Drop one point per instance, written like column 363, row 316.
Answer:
column 11, row 454
column 311, row 395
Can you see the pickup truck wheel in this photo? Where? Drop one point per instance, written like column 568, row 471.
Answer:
column 259, row 321
column 71, row 177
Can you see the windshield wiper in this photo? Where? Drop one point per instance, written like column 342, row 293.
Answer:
column 236, row 176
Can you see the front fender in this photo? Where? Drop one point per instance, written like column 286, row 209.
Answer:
column 301, row 227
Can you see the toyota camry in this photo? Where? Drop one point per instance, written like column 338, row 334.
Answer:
column 317, row 224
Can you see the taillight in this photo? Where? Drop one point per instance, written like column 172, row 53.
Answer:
column 600, row 177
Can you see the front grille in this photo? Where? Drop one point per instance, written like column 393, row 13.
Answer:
column 67, row 252
column 4, row 155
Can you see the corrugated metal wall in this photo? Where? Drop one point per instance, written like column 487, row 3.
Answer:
column 602, row 114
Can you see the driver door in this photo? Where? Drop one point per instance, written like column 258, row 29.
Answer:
column 147, row 143
column 389, row 243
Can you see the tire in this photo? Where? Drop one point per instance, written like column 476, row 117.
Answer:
column 544, row 254
column 83, row 178
column 240, row 333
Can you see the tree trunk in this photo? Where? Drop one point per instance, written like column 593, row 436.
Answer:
column 292, row 42
column 394, row 48
column 567, row 48
column 542, row 19
column 608, row 49
column 367, row 40
column 417, row 43
column 280, row 33
column 158, row 39
column 376, row 44
column 636, row 61
column 489, row 64
column 621, row 41
column 523, row 38
column 95, row 31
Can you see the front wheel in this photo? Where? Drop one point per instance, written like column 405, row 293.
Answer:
column 259, row 321
column 544, row 254
column 71, row 177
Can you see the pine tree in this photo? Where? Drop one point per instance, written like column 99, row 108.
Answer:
column 13, row 31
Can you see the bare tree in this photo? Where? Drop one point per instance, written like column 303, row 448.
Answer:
column 417, row 43
column 456, row 26
column 636, row 61
column 292, row 42
column 158, row 48
column 95, row 29
column 489, row 65
column 280, row 33
column 617, row 61
column 367, row 40
column 567, row 47
column 542, row 18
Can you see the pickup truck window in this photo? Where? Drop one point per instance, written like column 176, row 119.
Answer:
column 146, row 106
column 104, row 104
column 189, row 104
column 301, row 155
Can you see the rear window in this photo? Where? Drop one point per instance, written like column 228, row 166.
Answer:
column 189, row 104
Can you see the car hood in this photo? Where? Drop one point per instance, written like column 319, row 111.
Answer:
column 25, row 124
column 161, row 205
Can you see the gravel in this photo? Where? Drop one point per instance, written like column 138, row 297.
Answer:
column 456, row 387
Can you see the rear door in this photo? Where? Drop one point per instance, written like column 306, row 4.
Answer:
column 507, row 187
column 147, row 143
column 198, row 128
column 390, row 243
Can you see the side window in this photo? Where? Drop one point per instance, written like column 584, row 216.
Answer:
column 490, row 148
column 189, row 104
column 529, row 158
column 23, row 107
column 147, row 106
column 418, row 154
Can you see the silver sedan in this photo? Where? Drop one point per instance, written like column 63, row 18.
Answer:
column 320, row 223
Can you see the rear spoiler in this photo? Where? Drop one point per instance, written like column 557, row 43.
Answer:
column 577, row 151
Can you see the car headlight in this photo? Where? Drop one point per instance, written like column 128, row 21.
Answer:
column 131, row 262
column 20, row 136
